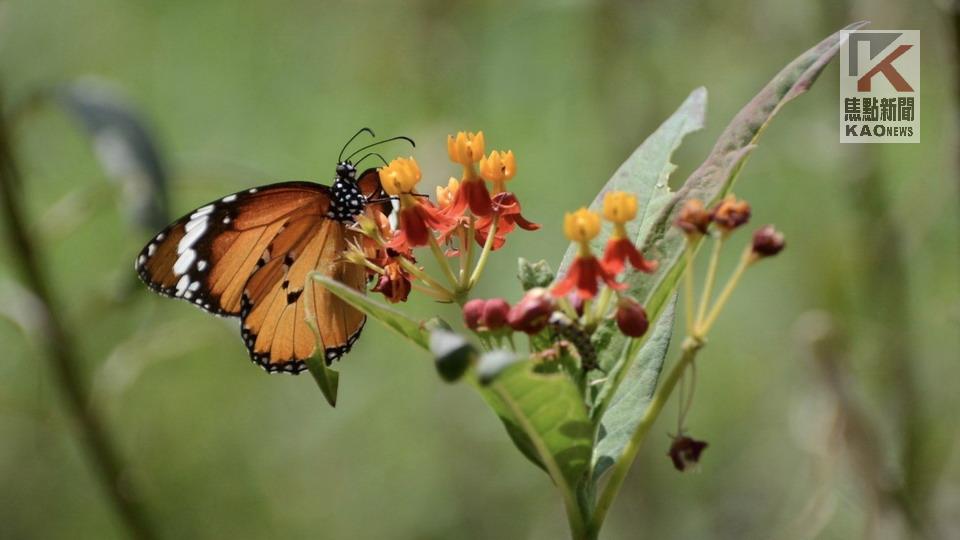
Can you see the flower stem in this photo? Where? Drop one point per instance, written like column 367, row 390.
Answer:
column 691, row 346
column 709, row 281
column 423, row 276
column 745, row 261
column 688, row 286
column 482, row 261
column 443, row 262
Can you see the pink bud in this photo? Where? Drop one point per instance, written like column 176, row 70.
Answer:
column 531, row 313
column 632, row 318
column 473, row 313
column 495, row 313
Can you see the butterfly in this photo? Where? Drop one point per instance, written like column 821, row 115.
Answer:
column 248, row 255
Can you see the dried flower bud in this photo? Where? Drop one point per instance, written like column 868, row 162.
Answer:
column 495, row 313
column 693, row 218
column 632, row 318
column 685, row 451
column 767, row 241
column 731, row 213
column 473, row 313
column 531, row 313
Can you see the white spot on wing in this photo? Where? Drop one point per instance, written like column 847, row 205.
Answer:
column 230, row 198
column 202, row 212
column 183, row 262
column 182, row 285
column 201, row 265
column 193, row 234
column 151, row 249
column 194, row 286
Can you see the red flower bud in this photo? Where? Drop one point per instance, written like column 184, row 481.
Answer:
column 495, row 313
column 767, row 241
column 531, row 313
column 632, row 318
column 473, row 313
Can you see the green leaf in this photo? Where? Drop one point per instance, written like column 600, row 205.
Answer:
column 327, row 379
column 711, row 181
column 626, row 408
column 538, row 274
column 409, row 328
column 545, row 416
column 714, row 178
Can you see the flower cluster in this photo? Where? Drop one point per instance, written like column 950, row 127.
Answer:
column 465, row 213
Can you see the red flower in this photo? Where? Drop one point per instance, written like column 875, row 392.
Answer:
column 584, row 275
column 417, row 220
column 472, row 194
column 619, row 251
column 506, row 210
column 394, row 284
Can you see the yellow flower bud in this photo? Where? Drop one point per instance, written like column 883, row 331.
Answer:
column 581, row 226
column 498, row 168
column 446, row 195
column 400, row 176
column 466, row 148
column 619, row 207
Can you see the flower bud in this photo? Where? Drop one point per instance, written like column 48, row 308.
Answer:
column 495, row 313
column 446, row 195
column 632, row 318
column 767, row 241
column 473, row 313
column 731, row 213
column 693, row 218
column 530, row 314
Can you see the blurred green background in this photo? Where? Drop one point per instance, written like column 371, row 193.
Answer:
column 241, row 94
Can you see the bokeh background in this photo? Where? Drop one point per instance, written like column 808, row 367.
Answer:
column 240, row 94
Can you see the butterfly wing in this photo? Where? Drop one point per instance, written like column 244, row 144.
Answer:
column 207, row 256
column 248, row 255
column 277, row 300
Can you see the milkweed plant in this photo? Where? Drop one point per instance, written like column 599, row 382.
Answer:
column 574, row 368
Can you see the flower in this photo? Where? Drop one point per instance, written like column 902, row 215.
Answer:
column 394, row 283
column 730, row 213
column 466, row 148
column 446, row 195
column 471, row 193
column 693, row 218
column 531, row 313
column 685, row 451
column 498, row 168
column 506, row 213
column 631, row 318
column 418, row 217
column 767, row 241
column 400, row 176
column 619, row 208
column 583, row 275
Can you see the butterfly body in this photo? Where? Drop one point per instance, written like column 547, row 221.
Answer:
column 249, row 255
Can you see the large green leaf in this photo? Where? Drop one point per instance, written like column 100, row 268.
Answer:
column 547, row 419
column 411, row 329
column 709, row 182
column 626, row 408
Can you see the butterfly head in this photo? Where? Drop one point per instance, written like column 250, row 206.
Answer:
column 346, row 171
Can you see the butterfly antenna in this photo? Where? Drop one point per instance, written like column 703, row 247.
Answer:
column 372, row 154
column 355, row 135
column 371, row 145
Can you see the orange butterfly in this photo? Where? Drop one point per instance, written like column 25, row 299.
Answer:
column 249, row 254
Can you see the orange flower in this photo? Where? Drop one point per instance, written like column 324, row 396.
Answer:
column 418, row 218
column 472, row 193
column 506, row 212
column 586, row 271
column 498, row 168
column 619, row 208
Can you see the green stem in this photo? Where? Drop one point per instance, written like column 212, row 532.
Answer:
column 443, row 262
column 745, row 261
column 484, row 255
column 688, row 285
column 691, row 346
column 709, row 281
column 423, row 276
